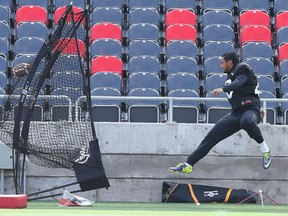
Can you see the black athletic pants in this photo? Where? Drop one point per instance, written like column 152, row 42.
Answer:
column 225, row 127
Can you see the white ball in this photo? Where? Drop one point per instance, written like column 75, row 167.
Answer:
column 197, row 203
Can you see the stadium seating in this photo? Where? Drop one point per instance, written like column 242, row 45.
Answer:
column 37, row 114
column 107, row 47
column 106, row 64
column 105, row 110
column 218, row 32
column 42, row 3
column 143, row 80
column 67, row 79
column 21, row 59
column 280, row 5
column 281, row 19
column 181, row 32
column 214, row 81
column 73, row 46
column 216, row 16
column 107, row 3
column 254, row 17
column 260, row 66
column 217, row 48
column 107, row 15
column 181, row 64
column 27, row 46
column 282, row 52
column 3, row 64
column 60, row 10
column 191, row 4
column 283, row 67
column 106, row 30
column 255, row 33
column 143, row 110
column 253, row 5
column 3, row 80
column 217, row 109
column 144, row 47
column 143, row 31
column 4, row 30
column 256, row 49
column 180, row 16
column 271, row 107
column 4, row 47
column 31, row 13
column 182, row 81
column 181, row 48
column 104, row 91
column 184, row 111
column 77, row 3
column 5, row 13
column 143, row 4
column 144, row 15
column 148, row 64
column 66, row 65
column 6, row 3
column 128, row 35
column 31, row 29
column 106, row 80
column 219, row 4
column 212, row 65
column 285, row 108
column 282, row 35
column 60, row 108
column 266, row 83
column 284, row 85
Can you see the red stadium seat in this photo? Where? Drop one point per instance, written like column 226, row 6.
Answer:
column 72, row 47
column 59, row 12
column 106, row 30
column 254, row 17
column 281, row 19
column 282, row 52
column 31, row 13
column 255, row 33
column 106, row 64
column 181, row 32
column 180, row 16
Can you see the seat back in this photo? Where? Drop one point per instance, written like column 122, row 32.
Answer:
column 181, row 32
column 255, row 33
column 31, row 13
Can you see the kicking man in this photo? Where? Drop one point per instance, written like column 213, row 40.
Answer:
column 241, row 88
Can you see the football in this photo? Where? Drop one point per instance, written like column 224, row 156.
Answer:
column 21, row 70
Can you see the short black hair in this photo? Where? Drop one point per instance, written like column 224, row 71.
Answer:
column 231, row 56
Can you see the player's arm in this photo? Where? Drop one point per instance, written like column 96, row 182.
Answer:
column 239, row 81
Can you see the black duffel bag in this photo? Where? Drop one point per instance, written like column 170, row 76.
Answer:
column 192, row 193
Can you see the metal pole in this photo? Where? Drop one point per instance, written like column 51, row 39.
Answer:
column 170, row 111
column 2, row 181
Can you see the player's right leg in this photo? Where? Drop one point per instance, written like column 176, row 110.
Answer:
column 224, row 128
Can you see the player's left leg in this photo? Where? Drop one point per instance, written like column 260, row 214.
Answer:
column 249, row 122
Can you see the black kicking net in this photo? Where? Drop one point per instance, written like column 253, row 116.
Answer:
column 50, row 107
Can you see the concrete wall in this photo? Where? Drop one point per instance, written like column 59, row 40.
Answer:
column 137, row 156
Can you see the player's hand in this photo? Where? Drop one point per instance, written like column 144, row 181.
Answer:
column 262, row 113
column 217, row 91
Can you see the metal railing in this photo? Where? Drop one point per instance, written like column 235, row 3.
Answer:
column 170, row 100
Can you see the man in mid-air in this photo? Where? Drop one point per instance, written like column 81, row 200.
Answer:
column 241, row 88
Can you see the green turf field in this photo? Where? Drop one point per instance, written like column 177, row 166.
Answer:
column 48, row 208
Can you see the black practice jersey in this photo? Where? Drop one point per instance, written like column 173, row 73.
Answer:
column 241, row 87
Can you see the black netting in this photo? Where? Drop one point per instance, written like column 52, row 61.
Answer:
column 50, row 128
